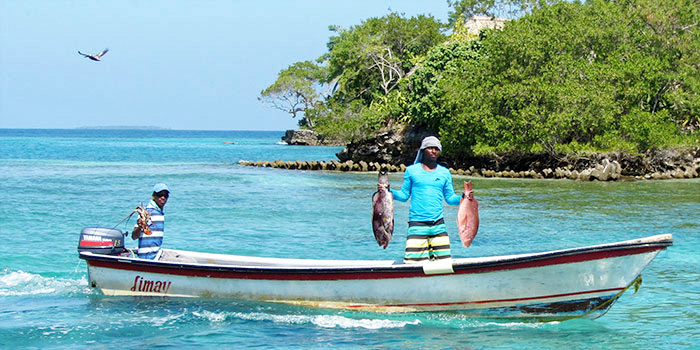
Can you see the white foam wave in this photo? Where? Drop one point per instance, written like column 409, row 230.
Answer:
column 328, row 321
column 471, row 322
column 211, row 316
column 325, row 321
column 519, row 324
column 168, row 320
column 18, row 283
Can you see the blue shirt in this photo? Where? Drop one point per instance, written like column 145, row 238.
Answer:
column 427, row 190
column 149, row 245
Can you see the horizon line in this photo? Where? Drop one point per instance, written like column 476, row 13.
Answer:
column 137, row 128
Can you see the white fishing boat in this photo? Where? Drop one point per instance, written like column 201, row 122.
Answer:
column 559, row 284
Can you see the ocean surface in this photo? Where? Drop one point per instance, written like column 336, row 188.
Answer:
column 54, row 182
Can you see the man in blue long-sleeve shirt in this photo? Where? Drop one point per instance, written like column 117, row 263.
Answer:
column 427, row 184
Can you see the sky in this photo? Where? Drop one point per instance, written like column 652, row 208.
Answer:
column 186, row 65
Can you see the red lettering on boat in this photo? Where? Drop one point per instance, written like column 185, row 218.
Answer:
column 144, row 285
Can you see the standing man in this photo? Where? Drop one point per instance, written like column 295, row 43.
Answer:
column 150, row 234
column 428, row 184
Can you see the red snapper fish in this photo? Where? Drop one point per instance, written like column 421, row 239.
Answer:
column 468, row 217
column 383, row 212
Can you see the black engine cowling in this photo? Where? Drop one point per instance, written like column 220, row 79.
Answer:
column 101, row 240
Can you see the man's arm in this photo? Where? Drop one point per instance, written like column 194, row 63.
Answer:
column 138, row 228
column 449, row 191
column 405, row 191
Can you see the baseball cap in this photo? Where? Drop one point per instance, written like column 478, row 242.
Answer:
column 160, row 187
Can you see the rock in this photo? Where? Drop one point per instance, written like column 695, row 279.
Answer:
column 594, row 174
column 394, row 145
column 586, row 175
column 558, row 173
column 616, row 171
column 547, row 172
column 601, row 171
column 363, row 165
column 302, row 137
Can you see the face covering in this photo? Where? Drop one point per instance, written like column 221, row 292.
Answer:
column 430, row 141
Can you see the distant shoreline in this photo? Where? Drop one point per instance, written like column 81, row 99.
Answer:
column 121, row 128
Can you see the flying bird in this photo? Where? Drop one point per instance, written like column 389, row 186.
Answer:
column 95, row 57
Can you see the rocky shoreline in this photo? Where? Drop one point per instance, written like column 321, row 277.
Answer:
column 304, row 137
column 606, row 170
column 395, row 147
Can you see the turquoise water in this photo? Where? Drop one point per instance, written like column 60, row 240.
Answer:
column 54, row 182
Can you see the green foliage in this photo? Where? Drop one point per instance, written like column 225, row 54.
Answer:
column 567, row 77
column 359, row 121
column 371, row 58
column 363, row 71
column 464, row 9
column 295, row 89
column 347, row 123
column 426, row 96
column 571, row 76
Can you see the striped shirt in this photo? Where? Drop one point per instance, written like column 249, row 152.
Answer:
column 149, row 245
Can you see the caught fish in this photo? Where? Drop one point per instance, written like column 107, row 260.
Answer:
column 383, row 212
column 145, row 217
column 468, row 216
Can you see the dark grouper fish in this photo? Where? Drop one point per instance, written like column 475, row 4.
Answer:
column 383, row 212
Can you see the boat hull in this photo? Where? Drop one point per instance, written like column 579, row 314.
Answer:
column 550, row 285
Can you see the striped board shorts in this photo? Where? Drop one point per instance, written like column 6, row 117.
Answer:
column 427, row 241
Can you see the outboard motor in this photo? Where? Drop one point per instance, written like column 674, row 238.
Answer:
column 101, row 240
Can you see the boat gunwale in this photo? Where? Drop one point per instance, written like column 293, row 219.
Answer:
column 400, row 270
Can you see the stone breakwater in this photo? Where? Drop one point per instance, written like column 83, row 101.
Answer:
column 332, row 165
column 605, row 171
